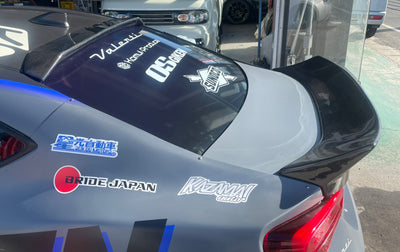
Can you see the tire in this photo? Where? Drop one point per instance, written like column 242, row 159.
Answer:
column 370, row 31
column 237, row 11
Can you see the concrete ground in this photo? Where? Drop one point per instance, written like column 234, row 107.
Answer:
column 375, row 179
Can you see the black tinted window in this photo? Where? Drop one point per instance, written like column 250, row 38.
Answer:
column 171, row 89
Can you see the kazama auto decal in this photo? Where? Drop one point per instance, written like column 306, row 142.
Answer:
column 149, row 236
column 85, row 146
column 224, row 191
column 211, row 78
column 68, row 178
column 163, row 66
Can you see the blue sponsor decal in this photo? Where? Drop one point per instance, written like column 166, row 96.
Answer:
column 85, row 146
column 58, row 244
column 107, row 242
column 166, row 239
column 150, row 235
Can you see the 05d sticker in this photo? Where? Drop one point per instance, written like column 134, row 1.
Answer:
column 211, row 78
column 12, row 38
column 68, row 178
column 164, row 66
column 85, row 146
column 224, row 191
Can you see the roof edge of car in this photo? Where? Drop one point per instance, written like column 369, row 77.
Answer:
column 53, row 52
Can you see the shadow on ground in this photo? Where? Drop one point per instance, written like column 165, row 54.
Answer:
column 374, row 206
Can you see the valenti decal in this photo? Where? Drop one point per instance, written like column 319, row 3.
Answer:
column 211, row 78
column 85, row 146
column 68, row 178
column 113, row 48
column 163, row 66
column 224, row 191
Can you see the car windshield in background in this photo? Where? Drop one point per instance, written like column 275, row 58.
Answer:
column 167, row 87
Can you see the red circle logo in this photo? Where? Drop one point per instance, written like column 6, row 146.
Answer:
column 65, row 179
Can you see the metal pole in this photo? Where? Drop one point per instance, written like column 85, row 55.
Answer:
column 259, row 30
column 292, row 55
column 309, row 34
column 279, row 7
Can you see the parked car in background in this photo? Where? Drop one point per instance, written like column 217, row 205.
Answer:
column 198, row 21
column 240, row 11
column 377, row 13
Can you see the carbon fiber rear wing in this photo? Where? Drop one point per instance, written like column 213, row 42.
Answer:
column 349, row 124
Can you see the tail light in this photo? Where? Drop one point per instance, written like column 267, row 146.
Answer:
column 13, row 144
column 375, row 17
column 310, row 231
column 9, row 146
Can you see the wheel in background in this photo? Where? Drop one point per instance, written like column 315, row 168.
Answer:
column 237, row 11
column 370, row 31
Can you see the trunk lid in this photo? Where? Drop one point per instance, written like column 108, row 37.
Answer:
column 276, row 125
column 313, row 127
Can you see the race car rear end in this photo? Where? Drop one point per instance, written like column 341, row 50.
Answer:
column 118, row 137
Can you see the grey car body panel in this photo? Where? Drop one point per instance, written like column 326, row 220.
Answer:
column 255, row 138
column 348, row 234
column 27, row 116
column 115, row 210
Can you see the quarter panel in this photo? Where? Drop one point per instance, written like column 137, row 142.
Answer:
column 200, row 221
column 348, row 235
column 25, row 106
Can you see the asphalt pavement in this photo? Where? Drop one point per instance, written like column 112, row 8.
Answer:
column 389, row 32
column 375, row 179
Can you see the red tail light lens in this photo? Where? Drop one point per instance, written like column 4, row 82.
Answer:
column 13, row 144
column 9, row 146
column 310, row 231
column 375, row 17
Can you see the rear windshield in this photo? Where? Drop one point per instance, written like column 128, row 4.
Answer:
column 163, row 85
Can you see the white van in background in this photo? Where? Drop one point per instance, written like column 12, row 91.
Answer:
column 377, row 13
column 197, row 21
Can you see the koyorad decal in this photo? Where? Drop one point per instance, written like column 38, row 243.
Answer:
column 85, row 146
